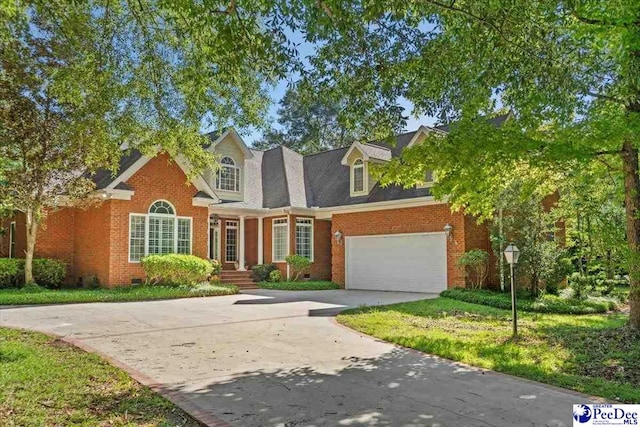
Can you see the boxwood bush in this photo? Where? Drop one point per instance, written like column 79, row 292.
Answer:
column 47, row 272
column 176, row 269
column 261, row 271
column 9, row 270
column 544, row 304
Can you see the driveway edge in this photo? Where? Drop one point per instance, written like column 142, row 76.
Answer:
column 189, row 407
column 483, row 370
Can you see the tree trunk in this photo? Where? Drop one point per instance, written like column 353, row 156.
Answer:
column 632, row 207
column 32, row 229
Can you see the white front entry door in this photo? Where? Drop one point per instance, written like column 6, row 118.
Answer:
column 401, row 262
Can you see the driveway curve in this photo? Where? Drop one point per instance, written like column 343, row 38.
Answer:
column 278, row 358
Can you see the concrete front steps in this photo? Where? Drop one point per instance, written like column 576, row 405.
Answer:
column 241, row 279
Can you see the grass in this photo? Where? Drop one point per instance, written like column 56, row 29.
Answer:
column 37, row 295
column 543, row 304
column 299, row 286
column 44, row 381
column 594, row 354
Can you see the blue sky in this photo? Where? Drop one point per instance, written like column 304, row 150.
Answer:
column 306, row 49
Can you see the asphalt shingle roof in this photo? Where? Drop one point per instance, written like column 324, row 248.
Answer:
column 280, row 177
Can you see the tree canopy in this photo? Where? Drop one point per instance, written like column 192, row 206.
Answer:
column 308, row 126
column 568, row 70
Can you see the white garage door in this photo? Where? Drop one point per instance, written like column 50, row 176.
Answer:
column 401, row 262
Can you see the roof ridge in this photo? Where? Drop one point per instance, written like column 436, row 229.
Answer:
column 324, row 151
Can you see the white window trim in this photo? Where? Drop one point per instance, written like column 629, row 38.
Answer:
column 231, row 227
column 12, row 237
column 365, row 179
column 273, row 240
column 159, row 214
column 147, row 216
column 238, row 172
column 311, row 225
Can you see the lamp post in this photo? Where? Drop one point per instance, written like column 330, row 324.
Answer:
column 512, row 253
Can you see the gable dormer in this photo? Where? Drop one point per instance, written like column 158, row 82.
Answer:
column 232, row 153
column 358, row 158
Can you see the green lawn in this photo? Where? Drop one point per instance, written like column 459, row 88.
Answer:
column 299, row 286
column 593, row 354
column 544, row 304
column 130, row 293
column 44, row 381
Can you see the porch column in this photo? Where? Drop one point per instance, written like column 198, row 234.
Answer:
column 241, row 245
column 260, row 242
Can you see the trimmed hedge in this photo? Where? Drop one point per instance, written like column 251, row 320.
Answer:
column 544, row 304
column 176, row 269
column 47, row 272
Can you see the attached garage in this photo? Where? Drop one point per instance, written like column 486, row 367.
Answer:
column 397, row 262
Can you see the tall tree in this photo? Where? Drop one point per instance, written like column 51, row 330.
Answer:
column 569, row 69
column 78, row 79
column 308, row 125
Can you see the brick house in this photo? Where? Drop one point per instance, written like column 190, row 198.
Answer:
column 259, row 207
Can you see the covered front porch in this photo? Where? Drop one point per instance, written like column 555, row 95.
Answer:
column 237, row 241
column 242, row 238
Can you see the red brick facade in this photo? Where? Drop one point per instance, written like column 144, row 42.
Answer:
column 466, row 234
column 95, row 241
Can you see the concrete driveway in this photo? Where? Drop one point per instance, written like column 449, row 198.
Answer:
column 277, row 358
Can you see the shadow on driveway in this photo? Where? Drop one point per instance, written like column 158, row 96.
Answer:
column 398, row 388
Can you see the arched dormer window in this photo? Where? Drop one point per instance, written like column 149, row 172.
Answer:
column 358, row 177
column 228, row 177
column 160, row 231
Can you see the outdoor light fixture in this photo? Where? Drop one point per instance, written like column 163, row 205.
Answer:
column 448, row 229
column 214, row 219
column 338, row 236
column 512, row 253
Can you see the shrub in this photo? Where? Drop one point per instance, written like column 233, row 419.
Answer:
column 49, row 273
column 217, row 267
column 299, row 265
column 46, row 272
column 176, row 269
column 275, row 276
column 261, row 271
column 9, row 271
column 582, row 285
column 474, row 263
column 555, row 266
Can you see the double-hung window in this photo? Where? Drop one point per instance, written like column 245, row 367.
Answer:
column 304, row 237
column 357, row 178
column 228, row 178
column 280, row 239
column 160, row 231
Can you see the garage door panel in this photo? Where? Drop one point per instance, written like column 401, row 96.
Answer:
column 408, row 262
